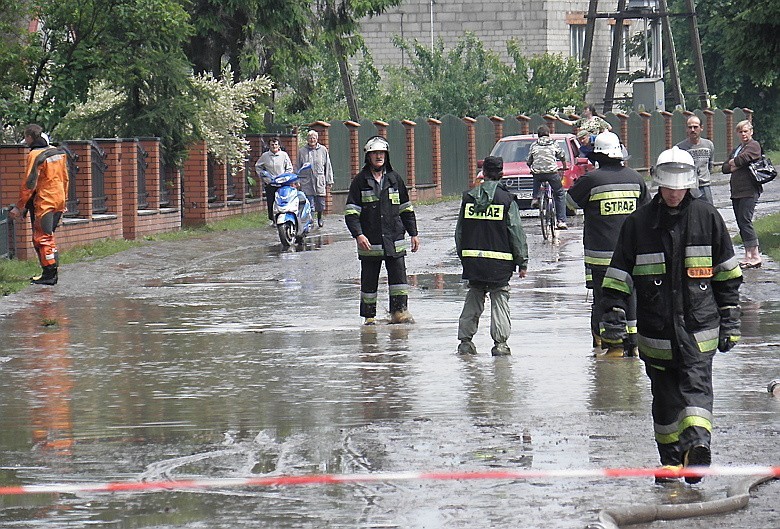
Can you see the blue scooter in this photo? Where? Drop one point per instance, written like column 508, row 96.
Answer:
column 291, row 209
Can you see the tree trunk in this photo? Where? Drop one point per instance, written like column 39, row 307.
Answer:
column 346, row 82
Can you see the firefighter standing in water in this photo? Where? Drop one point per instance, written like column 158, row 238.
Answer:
column 676, row 254
column 43, row 196
column 378, row 213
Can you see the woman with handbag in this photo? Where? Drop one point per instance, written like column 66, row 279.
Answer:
column 745, row 191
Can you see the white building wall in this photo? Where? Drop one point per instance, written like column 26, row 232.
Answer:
column 538, row 26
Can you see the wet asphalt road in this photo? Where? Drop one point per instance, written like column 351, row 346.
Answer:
column 225, row 356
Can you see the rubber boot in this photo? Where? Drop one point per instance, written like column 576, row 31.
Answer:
column 320, row 222
column 597, row 345
column 613, row 351
column 48, row 277
column 698, row 456
column 401, row 316
column 500, row 349
column 467, row 347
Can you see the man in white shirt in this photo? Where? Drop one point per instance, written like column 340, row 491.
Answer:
column 275, row 161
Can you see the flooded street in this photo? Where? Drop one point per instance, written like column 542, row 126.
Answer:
column 226, row 357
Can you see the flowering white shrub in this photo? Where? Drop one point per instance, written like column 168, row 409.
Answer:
column 223, row 111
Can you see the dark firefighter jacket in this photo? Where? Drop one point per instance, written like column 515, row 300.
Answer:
column 684, row 272
column 607, row 196
column 380, row 211
column 489, row 236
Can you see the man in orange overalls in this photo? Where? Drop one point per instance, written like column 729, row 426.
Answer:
column 43, row 194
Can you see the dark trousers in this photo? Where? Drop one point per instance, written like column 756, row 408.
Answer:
column 559, row 194
column 369, row 284
column 682, row 408
column 597, row 311
column 270, row 195
column 743, row 213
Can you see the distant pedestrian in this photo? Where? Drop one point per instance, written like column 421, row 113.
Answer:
column 491, row 244
column 589, row 121
column 43, row 195
column 703, row 152
column 274, row 162
column 378, row 214
column 586, row 140
column 543, row 157
column 676, row 254
column 316, row 181
column 745, row 191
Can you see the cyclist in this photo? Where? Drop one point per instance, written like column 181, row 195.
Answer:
column 542, row 160
column 607, row 196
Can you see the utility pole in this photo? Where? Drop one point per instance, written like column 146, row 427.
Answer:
column 590, row 25
column 674, row 72
column 698, row 60
column 617, row 45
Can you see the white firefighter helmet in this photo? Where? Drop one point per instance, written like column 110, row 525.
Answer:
column 376, row 143
column 608, row 144
column 675, row 169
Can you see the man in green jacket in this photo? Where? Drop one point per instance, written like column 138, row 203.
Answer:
column 491, row 244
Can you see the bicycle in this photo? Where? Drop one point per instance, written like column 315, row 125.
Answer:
column 547, row 214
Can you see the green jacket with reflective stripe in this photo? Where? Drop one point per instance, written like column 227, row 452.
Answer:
column 489, row 236
column 683, row 269
column 383, row 218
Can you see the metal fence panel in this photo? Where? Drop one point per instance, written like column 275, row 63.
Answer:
column 338, row 149
column 454, row 158
column 396, row 136
column 720, row 139
column 423, row 152
column 485, row 136
column 511, row 126
column 5, row 234
column 679, row 127
column 614, row 121
column 636, row 140
column 143, row 194
column 72, row 201
column 657, row 136
column 537, row 120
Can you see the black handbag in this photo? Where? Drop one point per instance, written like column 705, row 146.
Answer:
column 763, row 170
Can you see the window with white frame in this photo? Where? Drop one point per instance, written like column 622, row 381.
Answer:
column 576, row 40
column 623, row 54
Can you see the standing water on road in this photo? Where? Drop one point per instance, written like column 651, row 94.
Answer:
column 226, row 357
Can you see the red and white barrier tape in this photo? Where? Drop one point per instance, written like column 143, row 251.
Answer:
column 330, row 479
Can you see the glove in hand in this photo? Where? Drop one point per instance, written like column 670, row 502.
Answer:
column 613, row 326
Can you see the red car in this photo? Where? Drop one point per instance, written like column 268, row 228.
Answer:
column 517, row 175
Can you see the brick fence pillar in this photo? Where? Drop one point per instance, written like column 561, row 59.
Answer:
column 667, row 128
column 381, row 128
column 195, row 183
column 129, row 189
column 152, row 175
column 322, row 130
column 435, row 126
column 83, row 178
column 13, row 162
column 709, row 125
column 498, row 127
column 354, row 147
column 112, row 177
column 748, row 114
column 550, row 121
column 646, row 136
column 729, row 130
column 623, row 127
column 471, row 149
column 525, row 123
column 411, row 174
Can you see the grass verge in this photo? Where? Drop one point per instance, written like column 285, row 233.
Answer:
column 15, row 275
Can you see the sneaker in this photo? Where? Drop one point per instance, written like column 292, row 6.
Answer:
column 669, row 479
column 401, row 316
column 698, row 456
column 369, row 321
column 535, row 204
column 320, row 222
column 500, row 349
column 467, row 347
column 562, row 226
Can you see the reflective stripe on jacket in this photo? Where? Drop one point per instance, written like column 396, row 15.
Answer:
column 683, row 269
column 383, row 218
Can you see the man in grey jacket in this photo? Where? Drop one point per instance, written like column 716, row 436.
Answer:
column 703, row 152
column 315, row 181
